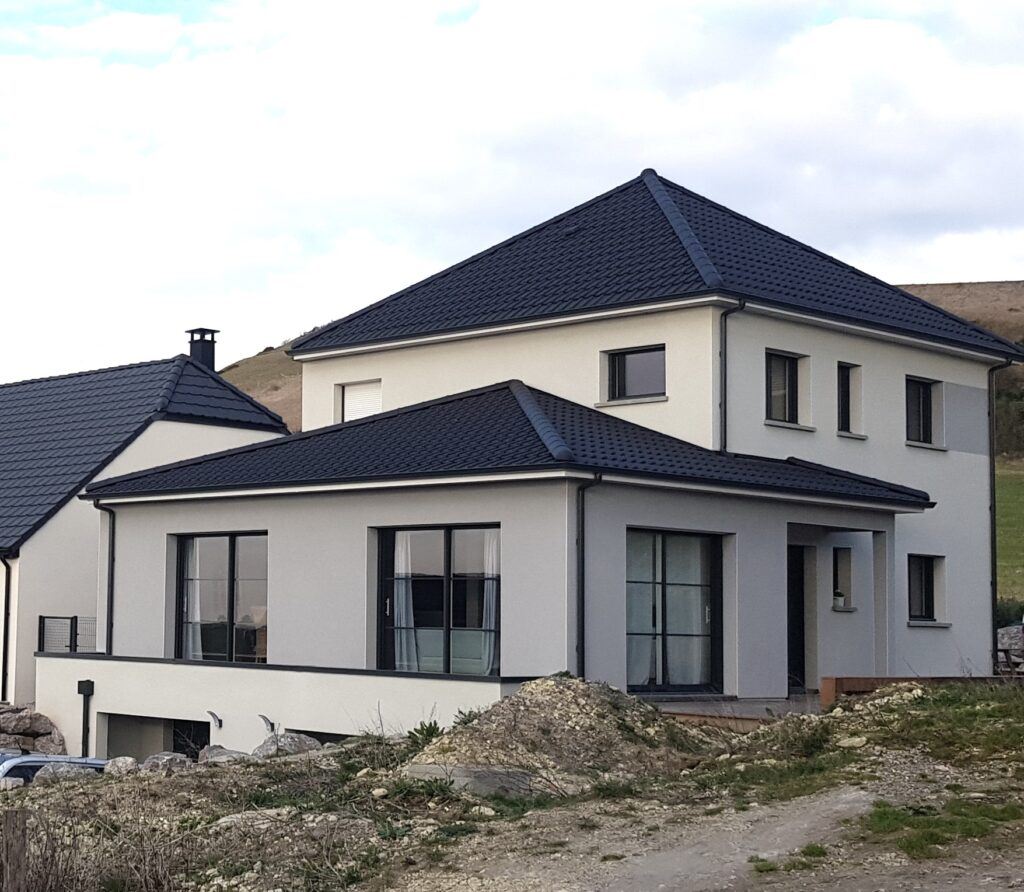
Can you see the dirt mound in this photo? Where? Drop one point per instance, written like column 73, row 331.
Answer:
column 573, row 733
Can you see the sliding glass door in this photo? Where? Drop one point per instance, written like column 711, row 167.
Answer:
column 439, row 600
column 673, row 611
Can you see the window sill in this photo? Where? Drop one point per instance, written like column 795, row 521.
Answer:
column 927, row 624
column 850, row 435
column 843, row 609
column 632, row 401
column 788, row 425
column 933, row 446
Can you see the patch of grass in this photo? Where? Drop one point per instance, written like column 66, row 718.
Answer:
column 959, row 722
column 390, row 831
column 416, row 789
column 785, row 780
column 920, row 831
column 814, row 850
column 466, row 717
column 613, row 856
column 423, row 734
column 1010, row 530
column 609, row 789
column 762, row 865
column 450, row 832
column 798, row 864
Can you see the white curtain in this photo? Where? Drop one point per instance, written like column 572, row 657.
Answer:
column 194, row 615
column 406, row 657
column 492, row 570
column 639, row 654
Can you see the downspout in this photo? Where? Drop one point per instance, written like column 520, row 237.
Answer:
column 723, row 373
column 581, row 574
column 7, row 627
column 111, row 532
column 993, row 565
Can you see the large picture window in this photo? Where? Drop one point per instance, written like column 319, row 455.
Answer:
column 439, row 600
column 222, row 597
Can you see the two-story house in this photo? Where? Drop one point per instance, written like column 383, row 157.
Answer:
column 649, row 441
column 59, row 434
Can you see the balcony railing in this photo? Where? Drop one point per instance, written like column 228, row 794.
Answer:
column 67, row 634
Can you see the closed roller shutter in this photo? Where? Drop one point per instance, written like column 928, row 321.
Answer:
column 360, row 400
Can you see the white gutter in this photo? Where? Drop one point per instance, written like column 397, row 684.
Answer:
column 644, row 309
column 514, row 477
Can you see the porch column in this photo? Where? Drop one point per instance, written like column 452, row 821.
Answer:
column 883, row 553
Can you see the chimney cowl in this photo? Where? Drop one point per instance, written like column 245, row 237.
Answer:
column 202, row 346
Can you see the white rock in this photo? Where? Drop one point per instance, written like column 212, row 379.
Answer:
column 166, row 762
column 379, row 792
column 289, row 743
column 484, row 811
column 55, row 772
column 852, row 743
column 121, row 765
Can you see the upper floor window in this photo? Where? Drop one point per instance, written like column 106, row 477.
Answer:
column 920, row 410
column 921, row 586
column 222, row 597
column 848, row 398
column 633, row 374
column 356, row 400
column 439, row 600
column 782, row 390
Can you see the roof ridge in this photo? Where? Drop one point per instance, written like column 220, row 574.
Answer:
column 837, row 262
column 171, row 384
column 543, row 425
column 301, row 435
column 84, row 372
column 687, row 237
column 218, row 378
column 297, row 344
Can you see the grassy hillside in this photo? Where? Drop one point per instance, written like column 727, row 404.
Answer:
column 1010, row 525
column 273, row 378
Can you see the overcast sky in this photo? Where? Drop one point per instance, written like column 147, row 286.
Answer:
column 263, row 168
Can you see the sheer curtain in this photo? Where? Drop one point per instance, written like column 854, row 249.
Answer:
column 639, row 651
column 406, row 657
column 492, row 570
column 193, row 605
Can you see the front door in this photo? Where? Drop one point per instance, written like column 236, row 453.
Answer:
column 673, row 611
column 795, row 617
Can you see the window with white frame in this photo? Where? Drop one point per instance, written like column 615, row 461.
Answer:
column 356, row 400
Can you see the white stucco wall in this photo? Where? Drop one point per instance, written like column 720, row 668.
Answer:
column 58, row 565
column 956, row 477
column 565, row 360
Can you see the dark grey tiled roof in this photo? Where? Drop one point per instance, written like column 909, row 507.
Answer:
column 503, row 427
column 57, row 433
column 646, row 240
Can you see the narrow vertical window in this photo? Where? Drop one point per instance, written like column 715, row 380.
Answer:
column 842, row 577
column 921, row 586
column 782, row 392
column 844, row 374
column 919, row 410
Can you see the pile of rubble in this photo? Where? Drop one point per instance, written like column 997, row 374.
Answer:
column 570, row 734
column 23, row 730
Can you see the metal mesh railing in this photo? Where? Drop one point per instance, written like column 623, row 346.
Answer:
column 67, row 634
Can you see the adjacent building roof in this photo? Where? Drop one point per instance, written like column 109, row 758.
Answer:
column 647, row 240
column 505, row 427
column 57, row 433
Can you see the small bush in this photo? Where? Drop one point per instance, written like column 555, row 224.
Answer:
column 423, row 734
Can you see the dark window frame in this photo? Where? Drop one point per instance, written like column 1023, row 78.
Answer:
column 715, row 584
column 921, row 568
column 384, row 577
column 844, row 397
column 617, row 379
column 792, row 382
column 839, row 554
column 920, row 395
column 179, row 623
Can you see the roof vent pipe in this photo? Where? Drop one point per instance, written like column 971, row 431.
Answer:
column 202, row 346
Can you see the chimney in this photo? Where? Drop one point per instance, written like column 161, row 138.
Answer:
column 202, row 345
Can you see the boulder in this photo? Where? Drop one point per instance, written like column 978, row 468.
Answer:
column 39, row 724
column 479, row 780
column 166, row 763
column 49, row 745
column 57, row 772
column 15, row 721
column 11, row 783
column 215, row 754
column 121, row 765
column 10, row 742
column 287, row 744
column 852, row 743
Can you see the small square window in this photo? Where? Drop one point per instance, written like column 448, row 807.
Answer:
column 920, row 410
column 921, row 586
column 782, row 377
column 633, row 374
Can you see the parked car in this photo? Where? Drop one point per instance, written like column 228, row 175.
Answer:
column 25, row 767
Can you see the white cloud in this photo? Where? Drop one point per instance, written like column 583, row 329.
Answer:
column 265, row 167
